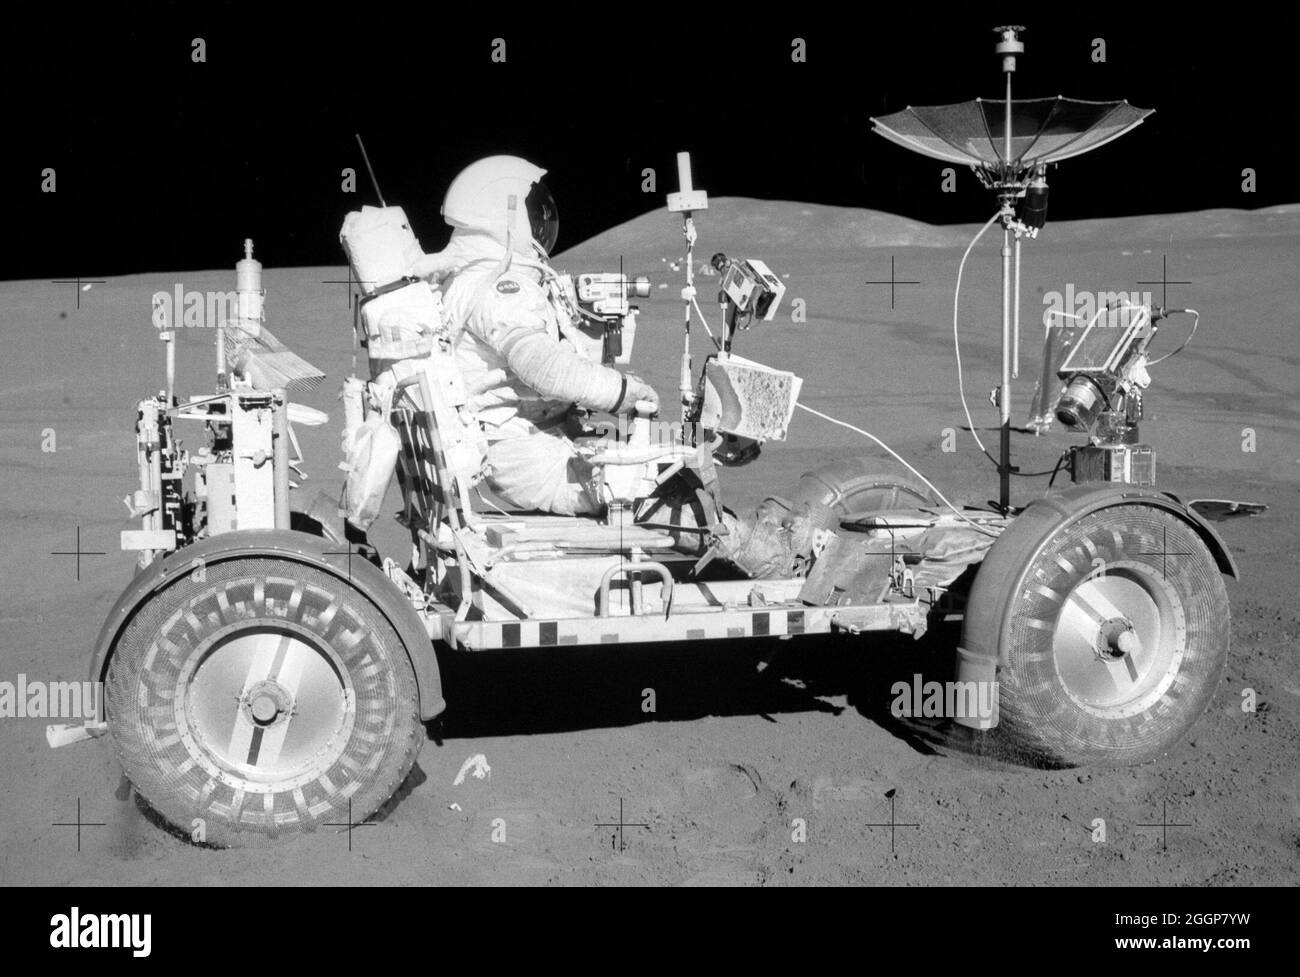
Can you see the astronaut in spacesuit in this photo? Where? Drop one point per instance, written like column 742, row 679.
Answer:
column 521, row 359
column 526, row 365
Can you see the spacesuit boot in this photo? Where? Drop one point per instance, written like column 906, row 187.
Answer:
column 766, row 545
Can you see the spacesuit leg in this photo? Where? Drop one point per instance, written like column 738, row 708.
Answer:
column 763, row 545
column 541, row 470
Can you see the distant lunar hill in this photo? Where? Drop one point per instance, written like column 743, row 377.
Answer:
column 777, row 225
column 789, row 225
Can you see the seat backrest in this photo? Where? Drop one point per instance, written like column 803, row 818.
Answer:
column 434, row 491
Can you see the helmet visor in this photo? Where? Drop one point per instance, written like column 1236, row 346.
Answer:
column 543, row 217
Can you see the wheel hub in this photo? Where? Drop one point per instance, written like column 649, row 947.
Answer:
column 266, row 704
column 1118, row 640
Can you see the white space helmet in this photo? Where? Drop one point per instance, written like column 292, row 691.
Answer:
column 479, row 200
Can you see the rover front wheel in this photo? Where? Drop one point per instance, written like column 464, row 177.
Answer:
column 1116, row 636
column 261, row 699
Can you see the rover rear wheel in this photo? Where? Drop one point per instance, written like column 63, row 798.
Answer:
column 261, row 699
column 1116, row 636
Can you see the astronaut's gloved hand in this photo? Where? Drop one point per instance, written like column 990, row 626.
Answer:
column 638, row 390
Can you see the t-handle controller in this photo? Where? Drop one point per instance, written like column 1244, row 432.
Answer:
column 640, row 423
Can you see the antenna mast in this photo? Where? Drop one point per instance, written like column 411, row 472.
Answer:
column 686, row 201
column 1009, row 46
column 371, row 170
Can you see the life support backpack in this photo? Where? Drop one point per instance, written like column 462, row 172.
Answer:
column 405, row 331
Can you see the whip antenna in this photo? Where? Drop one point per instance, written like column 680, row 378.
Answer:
column 371, row 170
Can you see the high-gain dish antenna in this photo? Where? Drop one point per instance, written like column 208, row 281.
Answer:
column 1009, row 145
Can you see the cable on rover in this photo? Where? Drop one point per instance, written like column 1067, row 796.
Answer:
column 956, row 343
column 1047, row 471
column 867, row 434
column 705, row 323
column 899, row 458
column 1196, row 320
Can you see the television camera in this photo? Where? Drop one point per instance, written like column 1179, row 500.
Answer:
column 1105, row 376
column 749, row 291
column 602, row 300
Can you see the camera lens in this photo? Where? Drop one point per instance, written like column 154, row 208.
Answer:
column 1079, row 405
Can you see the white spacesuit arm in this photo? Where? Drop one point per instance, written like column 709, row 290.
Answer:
column 511, row 318
column 561, row 374
column 435, row 267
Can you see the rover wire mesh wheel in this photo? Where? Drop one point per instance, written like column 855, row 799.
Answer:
column 257, row 701
column 1116, row 639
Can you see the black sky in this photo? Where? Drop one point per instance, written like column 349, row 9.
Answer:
column 164, row 164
